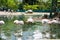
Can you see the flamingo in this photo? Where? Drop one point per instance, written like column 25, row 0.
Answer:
column 54, row 21
column 19, row 22
column 45, row 21
column 30, row 19
column 2, row 22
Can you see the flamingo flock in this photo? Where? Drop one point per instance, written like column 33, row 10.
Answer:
column 29, row 20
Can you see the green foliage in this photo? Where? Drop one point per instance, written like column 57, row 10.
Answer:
column 3, row 2
column 58, row 6
column 42, row 6
column 59, row 0
column 33, row 7
column 12, row 5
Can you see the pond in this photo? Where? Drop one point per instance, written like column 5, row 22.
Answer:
column 28, row 35
column 28, row 31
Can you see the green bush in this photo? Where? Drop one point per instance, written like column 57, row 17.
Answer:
column 12, row 4
column 33, row 7
column 37, row 7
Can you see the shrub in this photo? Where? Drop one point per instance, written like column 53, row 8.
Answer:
column 33, row 7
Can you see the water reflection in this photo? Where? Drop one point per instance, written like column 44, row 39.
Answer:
column 37, row 35
column 13, row 37
column 27, row 35
column 35, row 32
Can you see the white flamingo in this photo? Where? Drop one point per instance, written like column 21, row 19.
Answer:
column 20, row 33
column 45, row 21
column 30, row 19
column 54, row 21
column 19, row 22
column 2, row 22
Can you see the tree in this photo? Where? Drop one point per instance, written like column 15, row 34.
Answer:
column 3, row 2
column 12, row 4
column 9, row 4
